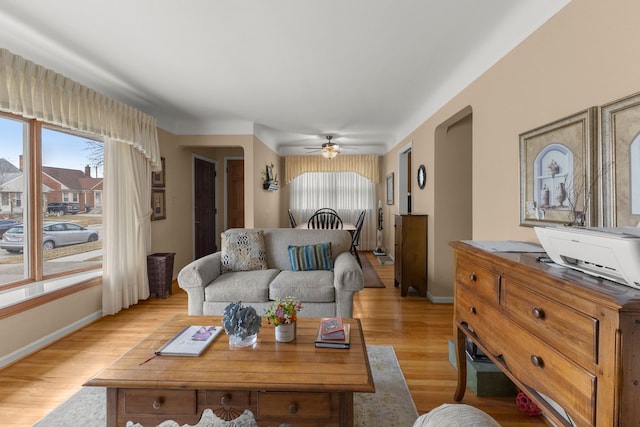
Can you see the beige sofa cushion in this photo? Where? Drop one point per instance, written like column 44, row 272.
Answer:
column 245, row 286
column 307, row 286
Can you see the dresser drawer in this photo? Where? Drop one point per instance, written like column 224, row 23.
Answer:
column 482, row 318
column 161, row 402
column 541, row 368
column 483, row 283
column 572, row 333
column 295, row 405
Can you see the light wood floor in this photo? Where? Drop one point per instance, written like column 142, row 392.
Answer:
column 418, row 330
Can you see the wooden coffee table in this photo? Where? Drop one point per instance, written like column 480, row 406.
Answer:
column 293, row 382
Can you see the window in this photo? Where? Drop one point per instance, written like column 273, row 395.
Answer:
column 348, row 193
column 64, row 180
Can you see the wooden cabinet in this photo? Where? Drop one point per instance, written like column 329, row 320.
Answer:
column 410, row 263
column 555, row 332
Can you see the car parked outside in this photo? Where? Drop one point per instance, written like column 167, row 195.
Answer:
column 55, row 234
column 63, row 208
column 6, row 224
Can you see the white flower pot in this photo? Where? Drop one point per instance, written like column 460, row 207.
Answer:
column 286, row 332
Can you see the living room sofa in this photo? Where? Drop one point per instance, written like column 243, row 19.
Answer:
column 255, row 267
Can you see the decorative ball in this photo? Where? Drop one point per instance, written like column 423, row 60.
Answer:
column 526, row 405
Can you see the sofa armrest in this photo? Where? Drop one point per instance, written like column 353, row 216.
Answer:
column 200, row 272
column 347, row 274
column 194, row 277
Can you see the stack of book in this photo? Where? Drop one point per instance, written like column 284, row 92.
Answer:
column 333, row 333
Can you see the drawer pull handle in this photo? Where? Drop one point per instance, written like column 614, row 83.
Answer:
column 472, row 310
column 538, row 313
column 157, row 404
column 537, row 361
column 225, row 400
column 473, row 277
column 293, row 408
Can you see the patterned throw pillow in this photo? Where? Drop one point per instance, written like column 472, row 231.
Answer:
column 311, row 257
column 243, row 251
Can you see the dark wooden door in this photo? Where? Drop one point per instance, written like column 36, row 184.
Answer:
column 235, row 193
column 204, row 194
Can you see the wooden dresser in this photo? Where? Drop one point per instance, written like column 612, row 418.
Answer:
column 555, row 332
column 410, row 252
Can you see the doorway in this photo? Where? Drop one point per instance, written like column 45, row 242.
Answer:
column 204, row 206
column 234, row 207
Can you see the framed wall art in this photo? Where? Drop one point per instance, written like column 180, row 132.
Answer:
column 158, row 205
column 158, row 178
column 620, row 163
column 390, row 189
column 556, row 172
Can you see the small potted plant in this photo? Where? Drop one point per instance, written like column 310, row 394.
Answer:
column 282, row 314
column 241, row 324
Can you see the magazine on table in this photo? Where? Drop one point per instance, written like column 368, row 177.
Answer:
column 191, row 341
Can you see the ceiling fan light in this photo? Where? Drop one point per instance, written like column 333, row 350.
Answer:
column 329, row 152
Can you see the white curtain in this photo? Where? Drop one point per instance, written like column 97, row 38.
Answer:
column 127, row 227
column 131, row 153
column 348, row 193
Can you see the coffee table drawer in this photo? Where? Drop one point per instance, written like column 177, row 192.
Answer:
column 302, row 405
column 150, row 401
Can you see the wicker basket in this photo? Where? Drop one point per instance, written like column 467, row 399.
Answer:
column 160, row 273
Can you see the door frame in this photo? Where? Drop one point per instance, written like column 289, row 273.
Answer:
column 224, row 190
column 403, row 173
column 195, row 156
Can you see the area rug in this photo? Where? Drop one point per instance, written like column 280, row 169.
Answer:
column 390, row 406
column 371, row 279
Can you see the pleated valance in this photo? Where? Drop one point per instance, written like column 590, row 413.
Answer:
column 367, row 165
column 35, row 92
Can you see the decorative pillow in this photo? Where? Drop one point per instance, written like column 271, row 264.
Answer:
column 243, row 251
column 311, row 257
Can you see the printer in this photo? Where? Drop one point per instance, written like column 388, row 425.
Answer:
column 612, row 253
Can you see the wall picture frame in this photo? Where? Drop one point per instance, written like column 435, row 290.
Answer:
column 556, row 172
column 619, row 166
column 390, row 189
column 158, row 204
column 158, row 179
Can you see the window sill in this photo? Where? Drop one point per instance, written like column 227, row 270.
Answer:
column 21, row 298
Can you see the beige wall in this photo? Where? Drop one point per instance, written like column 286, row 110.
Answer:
column 584, row 56
column 262, row 208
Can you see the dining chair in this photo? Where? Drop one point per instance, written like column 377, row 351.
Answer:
column 324, row 220
column 327, row 210
column 355, row 239
column 292, row 220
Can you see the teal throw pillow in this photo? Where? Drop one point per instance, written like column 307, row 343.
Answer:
column 311, row 257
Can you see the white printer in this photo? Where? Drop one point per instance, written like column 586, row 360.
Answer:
column 611, row 253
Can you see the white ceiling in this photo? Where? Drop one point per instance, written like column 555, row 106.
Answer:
column 289, row 71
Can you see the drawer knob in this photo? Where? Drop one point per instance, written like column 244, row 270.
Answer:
column 538, row 313
column 473, row 277
column 157, row 404
column 537, row 361
column 293, row 408
column 472, row 310
column 225, row 400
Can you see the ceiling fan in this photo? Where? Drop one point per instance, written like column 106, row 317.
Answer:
column 329, row 149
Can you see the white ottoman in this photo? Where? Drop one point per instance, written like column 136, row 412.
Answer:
column 455, row 415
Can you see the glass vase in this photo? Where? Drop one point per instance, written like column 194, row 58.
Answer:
column 238, row 341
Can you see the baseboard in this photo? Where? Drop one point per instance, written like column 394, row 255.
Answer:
column 46, row 340
column 439, row 300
